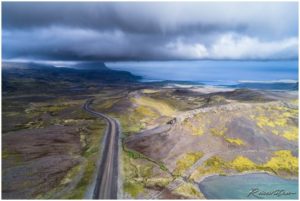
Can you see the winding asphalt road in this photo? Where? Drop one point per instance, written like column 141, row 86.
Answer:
column 106, row 186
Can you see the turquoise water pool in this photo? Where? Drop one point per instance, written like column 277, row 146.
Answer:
column 249, row 186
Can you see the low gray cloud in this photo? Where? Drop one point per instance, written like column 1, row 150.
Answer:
column 149, row 31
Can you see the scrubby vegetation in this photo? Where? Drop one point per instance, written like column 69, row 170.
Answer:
column 161, row 107
column 67, row 113
column 235, row 141
column 218, row 132
column 92, row 141
column 133, row 175
column 233, row 129
column 216, row 100
column 279, row 119
column 186, row 161
column 138, row 173
column 143, row 112
column 142, row 107
column 52, row 109
column 291, row 134
column 242, row 163
column 136, row 119
column 281, row 163
column 133, row 188
column 149, row 91
column 189, row 191
column 213, row 165
column 105, row 105
column 221, row 133
column 195, row 130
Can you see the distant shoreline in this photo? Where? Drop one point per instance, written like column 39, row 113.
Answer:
column 272, row 85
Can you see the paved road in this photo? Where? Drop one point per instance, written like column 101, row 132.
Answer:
column 106, row 186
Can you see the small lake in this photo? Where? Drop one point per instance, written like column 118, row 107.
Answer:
column 257, row 184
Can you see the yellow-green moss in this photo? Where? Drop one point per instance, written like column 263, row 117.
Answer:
column 235, row 141
column 186, row 161
column 107, row 104
column 278, row 118
column 264, row 121
column 131, row 174
column 51, row 109
column 242, row 163
column 71, row 173
column 221, row 133
column 218, row 132
column 291, row 134
column 79, row 191
column 212, row 165
column 195, row 130
column 215, row 162
column 189, row 191
column 295, row 101
column 282, row 163
column 149, row 91
column 138, row 174
column 133, row 188
column 136, row 119
column 281, row 121
column 158, row 181
column 283, row 160
column 160, row 106
column 217, row 165
column 275, row 132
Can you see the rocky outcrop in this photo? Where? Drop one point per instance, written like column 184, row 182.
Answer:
column 230, row 107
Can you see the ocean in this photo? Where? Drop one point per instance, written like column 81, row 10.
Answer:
column 213, row 72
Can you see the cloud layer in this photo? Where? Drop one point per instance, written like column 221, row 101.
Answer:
column 149, row 31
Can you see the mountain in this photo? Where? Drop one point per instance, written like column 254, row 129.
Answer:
column 33, row 77
column 98, row 66
column 24, row 65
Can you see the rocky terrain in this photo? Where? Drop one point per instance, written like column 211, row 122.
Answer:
column 172, row 137
column 50, row 144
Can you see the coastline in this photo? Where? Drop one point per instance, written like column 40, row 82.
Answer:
column 246, row 173
column 198, row 182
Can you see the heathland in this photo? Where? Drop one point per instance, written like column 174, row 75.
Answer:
column 172, row 136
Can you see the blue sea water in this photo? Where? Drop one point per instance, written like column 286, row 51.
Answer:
column 213, row 72
column 249, row 186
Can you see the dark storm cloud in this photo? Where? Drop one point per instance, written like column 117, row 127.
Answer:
column 149, row 31
column 128, row 17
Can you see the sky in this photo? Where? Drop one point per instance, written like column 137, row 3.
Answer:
column 147, row 31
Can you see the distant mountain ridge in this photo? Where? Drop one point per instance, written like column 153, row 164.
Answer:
column 98, row 66
column 24, row 65
column 30, row 76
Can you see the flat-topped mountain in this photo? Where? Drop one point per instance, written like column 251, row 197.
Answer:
column 95, row 65
column 33, row 76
